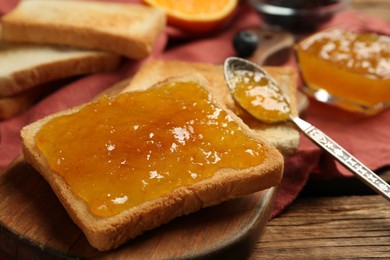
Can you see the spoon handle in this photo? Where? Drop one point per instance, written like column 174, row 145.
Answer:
column 345, row 158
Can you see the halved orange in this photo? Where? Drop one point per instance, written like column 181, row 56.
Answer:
column 195, row 15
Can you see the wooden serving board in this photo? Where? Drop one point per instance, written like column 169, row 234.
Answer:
column 34, row 225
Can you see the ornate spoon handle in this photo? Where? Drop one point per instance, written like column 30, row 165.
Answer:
column 345, row 158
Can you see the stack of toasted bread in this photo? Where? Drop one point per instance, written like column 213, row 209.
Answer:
column 42, row 41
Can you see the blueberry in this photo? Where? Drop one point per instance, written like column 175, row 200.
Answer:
column 245, row 43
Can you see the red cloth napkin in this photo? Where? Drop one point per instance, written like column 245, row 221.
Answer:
column 367, row 138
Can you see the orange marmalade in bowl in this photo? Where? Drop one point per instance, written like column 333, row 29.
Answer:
column 346, row 68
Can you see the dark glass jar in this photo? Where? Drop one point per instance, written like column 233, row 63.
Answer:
column 298, row 15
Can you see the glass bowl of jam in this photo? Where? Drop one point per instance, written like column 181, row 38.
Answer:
column 298, row 15
column 347, row 67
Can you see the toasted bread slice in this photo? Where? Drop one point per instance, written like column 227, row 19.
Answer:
column 106, row 233
column 10, row 106
column 126, row 29
column 284, row 136
column 24, row 66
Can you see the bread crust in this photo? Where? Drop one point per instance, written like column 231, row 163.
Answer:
column 76, row 63
column 126, row 29
column 10, row 106
column 108, row 233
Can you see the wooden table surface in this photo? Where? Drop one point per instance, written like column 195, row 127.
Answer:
column 339, row 219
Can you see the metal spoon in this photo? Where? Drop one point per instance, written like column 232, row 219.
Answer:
column 355, row 166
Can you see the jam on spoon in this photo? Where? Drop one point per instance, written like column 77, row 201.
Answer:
column 234, row 68
column 260, row 96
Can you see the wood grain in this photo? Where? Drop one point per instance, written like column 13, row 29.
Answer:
column 329, row 228
column 33, row 224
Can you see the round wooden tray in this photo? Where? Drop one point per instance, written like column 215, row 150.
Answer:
column 33, row 224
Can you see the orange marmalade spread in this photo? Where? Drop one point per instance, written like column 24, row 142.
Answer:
column 351, row 66
column 117, row 153
column 260, row 96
